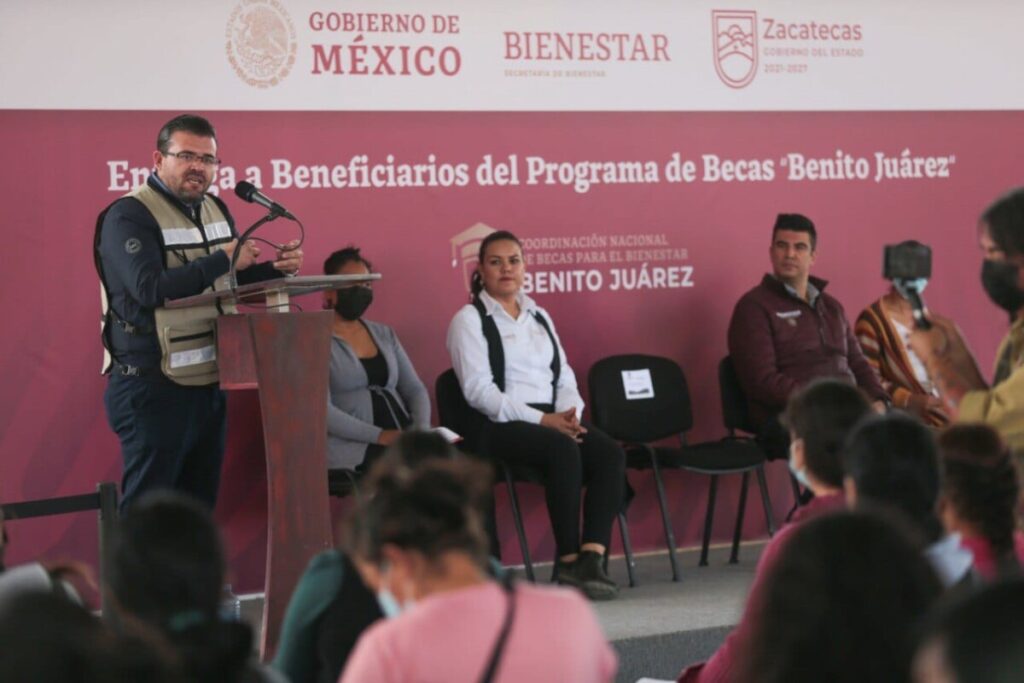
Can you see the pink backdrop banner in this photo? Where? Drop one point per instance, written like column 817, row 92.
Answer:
column 642, row 230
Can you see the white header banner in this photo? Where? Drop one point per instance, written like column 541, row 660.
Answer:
column 444, row 55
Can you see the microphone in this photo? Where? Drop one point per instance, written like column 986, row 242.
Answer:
column 248, row 192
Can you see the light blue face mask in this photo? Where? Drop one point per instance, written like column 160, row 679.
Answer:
column 800, row 474
column 388, row 604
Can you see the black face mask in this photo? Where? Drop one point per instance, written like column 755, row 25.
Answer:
column 999, row 278
column 352, row 302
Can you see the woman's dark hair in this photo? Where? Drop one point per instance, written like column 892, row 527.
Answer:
column 981, row 482
column 841, row 604
column 894, row 462
column 350, row 254
column 980, row 633
column 1005, row 221
column 822, row 414
column 476, row 285
column 49, row 639
column 415, row 447
column 188, row 123
column 167, row 570
column 433, row 509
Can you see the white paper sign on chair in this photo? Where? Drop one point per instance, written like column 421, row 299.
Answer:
column 637, row 384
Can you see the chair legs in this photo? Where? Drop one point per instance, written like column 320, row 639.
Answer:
column 796, row 496
column 734, row 556
column 766, row 502
column 518, row 519
column 627, row 549
column 670, row 537
column 708, row 519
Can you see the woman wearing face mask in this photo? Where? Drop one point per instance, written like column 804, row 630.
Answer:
column 883, row 330
column 418, row 540
column 374, row 390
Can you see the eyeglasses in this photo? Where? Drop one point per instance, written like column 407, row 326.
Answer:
column 190, row 157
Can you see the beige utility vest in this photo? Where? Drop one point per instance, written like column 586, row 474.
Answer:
column 188, row 336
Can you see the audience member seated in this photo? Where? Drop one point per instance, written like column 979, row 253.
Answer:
column 331, row 605
column 842, row 604
column 513, row 370
column 981, row 497
column 48, row 639
column 787, row 331
column 418, row 539
column 375, row 392
column 167, row 573
column 883, row 331
column 892, row 461
column 819, row 418
column 976, row 639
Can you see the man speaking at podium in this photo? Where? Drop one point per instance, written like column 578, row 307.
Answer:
column 170, row 239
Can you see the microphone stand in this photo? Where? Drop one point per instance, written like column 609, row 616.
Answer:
column 232, row 274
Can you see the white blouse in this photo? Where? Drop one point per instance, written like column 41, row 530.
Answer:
column 528, row 355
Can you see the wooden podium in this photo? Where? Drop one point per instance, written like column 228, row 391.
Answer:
column 285, row 356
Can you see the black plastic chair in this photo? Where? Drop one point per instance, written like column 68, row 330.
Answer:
column 343, row 482
column 640, row 422
column 456, row 414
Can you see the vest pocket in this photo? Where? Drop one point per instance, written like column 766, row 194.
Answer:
column 188, row 346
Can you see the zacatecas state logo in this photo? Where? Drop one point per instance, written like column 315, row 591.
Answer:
column 466, row 249
column 735, row 45
column 261, row 43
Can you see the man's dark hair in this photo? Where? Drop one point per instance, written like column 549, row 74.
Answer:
column 796, row 222
column 980, row 633
column 1005, row 221
column 189, row 123
column 841, row 603
column 337, row 260
column 894, row 462
column 822, row 414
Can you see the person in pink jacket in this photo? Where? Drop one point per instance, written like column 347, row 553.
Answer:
column 418, row 539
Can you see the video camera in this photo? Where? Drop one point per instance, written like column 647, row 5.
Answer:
column 909, row 266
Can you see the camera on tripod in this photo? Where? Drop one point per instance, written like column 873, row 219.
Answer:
column 909, row 266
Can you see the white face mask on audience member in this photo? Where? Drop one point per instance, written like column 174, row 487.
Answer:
column 797, row 464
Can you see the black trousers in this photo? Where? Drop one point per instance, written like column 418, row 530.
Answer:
column 598, row 463
column 172, row 436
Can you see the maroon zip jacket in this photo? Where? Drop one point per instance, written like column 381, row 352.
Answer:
column 779, row 342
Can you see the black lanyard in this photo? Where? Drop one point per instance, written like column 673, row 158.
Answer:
column 506, row 627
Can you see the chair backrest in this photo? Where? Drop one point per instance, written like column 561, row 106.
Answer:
column 455, row 413
column 735, row 411
column 643, row 416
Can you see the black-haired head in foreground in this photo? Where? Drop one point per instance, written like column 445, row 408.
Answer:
column 49, row 639
column 893, row 461
column 841, row 604
column 977, row 638
column 167, row 572
column 820, row 417
column 981, row 490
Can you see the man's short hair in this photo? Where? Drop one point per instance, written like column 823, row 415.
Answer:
column 189, row 123
column 1005, row 221
column 796, row 222
column 823, row 414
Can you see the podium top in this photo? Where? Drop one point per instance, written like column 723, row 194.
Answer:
column 286, row 286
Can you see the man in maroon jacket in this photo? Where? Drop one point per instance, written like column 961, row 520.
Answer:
column 787, row 331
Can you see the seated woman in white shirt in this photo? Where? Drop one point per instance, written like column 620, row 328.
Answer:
column 533, row 410
column 375, row 392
